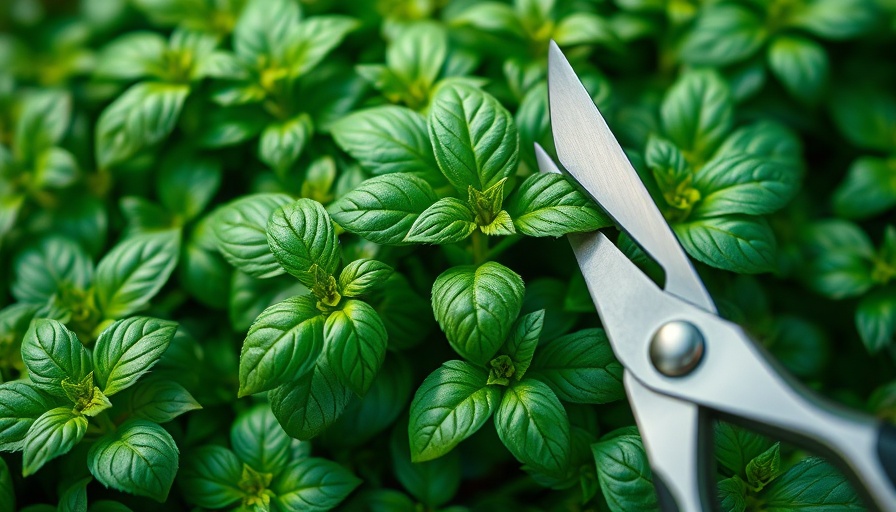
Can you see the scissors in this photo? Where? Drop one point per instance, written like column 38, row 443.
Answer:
column 684, row 365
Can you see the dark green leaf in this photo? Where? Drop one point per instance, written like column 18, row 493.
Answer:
column 355, row 341
column 732, row 494
column 55, row 168
column 723, row 34
column 241, row 230
column 361, row 276
column 812, row 485
column 417, row 54
column 160, row 400
column 54, row 265
column 433, row 482
column 281, row 143
column 132, row 56
column 876, row 319
column 869, row 188
column 533, row 425
column 735, row 447
column 259, row 442
column 20, row 405
column 800, row 64
column 250, row 296
column 623, row 472
column 476, row 307
column 210, row 476
column 43, row 121
column 52, row 353
column 307, row 406
column 521, row 342
column 697, row 111
column 74, row 499
column 53, row 434
column 7, row 492
column 301, row 235
column 129, row 348
column 579, row 367
column 187, row 184
column 836, row 19
column 448, row 220
column 313, row 39
column 264, row 29
column 866, row 118
column 736, row 243
column 765, row 467
column 745, row 185
column 313, row 484
column 547, row 204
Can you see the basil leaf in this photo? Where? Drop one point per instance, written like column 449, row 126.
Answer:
column 301, row 235
column 384, row 208
column 523, row 339
column 210, row 476
column 745, row 184
column 765, row 467
column 134, row 271
column 314, row 38
column 580, row 368
column 841, row 258
column 7, row 491
column 406, row 315
column 187, row 183
column 549, row 205
column 490, row 17
column 141, row 117
column 310, row 404
column 361, row 276
column 127, row 349
column 388, row 139
column 737, row 243
column 259, row 442
column 532, row 424
column 433, row 482
column 160, row 400
column 52, row 353
column 313, row 484
column 232, row 125
column 240, row 228
column 55, row 168
column 139, row 458
column 735, row 447
column 281, row 143
column 74, row 499
column 876, row 319
column 732, row 494
column 355, row 341
column 43, row 121
column 801, row 346
column 723, row 34
column 476, row 307
column 866, row 118
column 417, row 54
column 20, row 405
column 282, row 344
column 448, row 220
column 624, row 472
column 264, row 29
column 697, row 112
column 473, row 137
column 800, row 64
column 132, row 56
column 250, row 296
column 53, row 434
column 53, row 266
column 869, row 188
column 585, row 28
column 811, row 485
column 451, row 404
column 144, row 216
column 766, row 139
column 835, row 19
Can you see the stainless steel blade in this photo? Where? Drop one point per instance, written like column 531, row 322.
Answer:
column 592, row 155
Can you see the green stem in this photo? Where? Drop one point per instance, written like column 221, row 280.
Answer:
column 480, row 247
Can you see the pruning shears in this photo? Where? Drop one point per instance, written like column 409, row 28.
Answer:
column 685, row 365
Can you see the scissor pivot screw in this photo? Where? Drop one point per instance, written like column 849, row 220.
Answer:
column 676, row 348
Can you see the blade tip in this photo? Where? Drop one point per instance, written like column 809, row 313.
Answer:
column 545, row 162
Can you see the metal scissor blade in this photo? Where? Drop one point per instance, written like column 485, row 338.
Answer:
column 592, row 155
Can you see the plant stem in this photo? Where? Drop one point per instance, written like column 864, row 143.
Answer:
column 480, row 247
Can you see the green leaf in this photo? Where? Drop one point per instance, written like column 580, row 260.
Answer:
column 144, row 216
column 310, row 404
column 521, row 342
column 43, row 121
column 134, row 271
column 139, row 458
column 160, row 400
column 406, row 315
column 20, row 405
column 53, row 265
column 7, row 491
column 836, row 19
column 547, row 204
column 867, row 118
column 53, row 434
column 52, row 353
column 532, row 424
column 88, row 399
column 433, row 482
column 579, row 367
column 474, row 138
column 623, row 472
column 355, row 341
column 869, row 188
column 129, row 348
column 732, row 494
column 876, row 319
column 313, row 39
column 240, row 228
column 668, row 164
column 210, row 477
column 767, row 139
column 387, row 139
column 585, row 28
column 259, row 442
column 187, row 183
column 232, row 125
column 141, row 117
column 451, row 404
column 313, row 484
column 735, row 447
column 250, row 296
column 737, row 243
column 812, row 485
column 723, row 34
column 448, row 220
column 800, row 64
column 362, row 276
column 301, row 234
column 745, row 185
column 74, row 499
column 282, row 344
column 840, row 274
column 490, row 17
column 765, row 467
column 55, row 168
column 697, row 112
column 281, row 143
column 417, row 54
column 132, row 56
column 476, row 307
column 264, row 29
column 384, row 208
